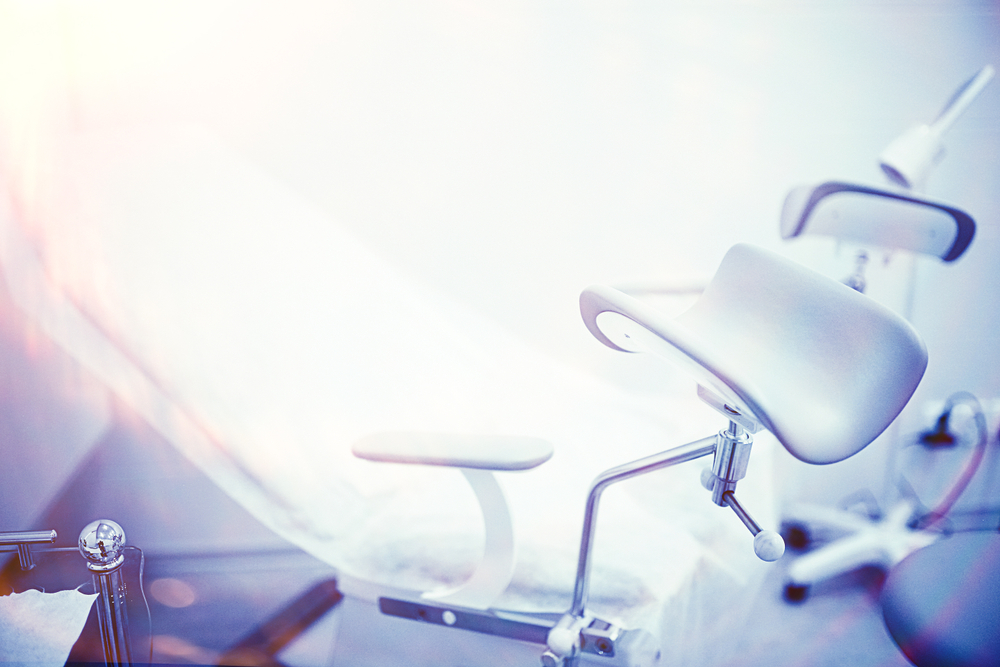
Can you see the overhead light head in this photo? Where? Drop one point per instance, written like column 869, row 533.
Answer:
column 908, row 160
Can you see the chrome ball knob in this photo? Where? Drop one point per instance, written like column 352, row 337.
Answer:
column 101, row 543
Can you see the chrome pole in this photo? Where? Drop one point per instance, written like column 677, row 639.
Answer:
column 671, row 457
column 101, row 544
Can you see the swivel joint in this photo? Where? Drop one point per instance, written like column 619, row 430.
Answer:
column 732, row 454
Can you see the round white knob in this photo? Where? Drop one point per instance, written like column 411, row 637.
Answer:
column 768, row 545
column 550, row 659
column 562, row 641
column 707, row 478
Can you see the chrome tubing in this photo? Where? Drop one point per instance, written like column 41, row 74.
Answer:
column 671, row 457
column 101, row 544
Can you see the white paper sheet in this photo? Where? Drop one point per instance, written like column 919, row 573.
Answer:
column 39, row 628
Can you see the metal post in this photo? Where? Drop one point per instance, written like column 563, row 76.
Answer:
column 671, row 457
column 563, row 643
column 101, row 544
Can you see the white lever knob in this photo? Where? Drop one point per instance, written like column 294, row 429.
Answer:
column 563, row 641
column 768, row 545
column 707, row 478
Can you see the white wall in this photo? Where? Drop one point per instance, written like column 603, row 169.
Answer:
column 507, row 154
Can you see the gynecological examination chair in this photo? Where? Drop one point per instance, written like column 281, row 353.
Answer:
column 773, row 345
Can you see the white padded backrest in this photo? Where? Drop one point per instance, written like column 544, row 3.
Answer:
column 878, row 217
column 821, row 366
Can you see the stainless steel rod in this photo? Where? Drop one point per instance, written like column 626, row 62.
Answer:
column 112, row 617
column 671, row 457
column 101, row 544
column 12, row 539
column 741, row 512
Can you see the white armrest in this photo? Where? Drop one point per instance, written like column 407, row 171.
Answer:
column 477, row 456
column 484, row 452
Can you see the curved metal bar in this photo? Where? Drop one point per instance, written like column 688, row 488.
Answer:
column 671, row 457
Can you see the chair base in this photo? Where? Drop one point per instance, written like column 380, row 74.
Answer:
column 880, row 542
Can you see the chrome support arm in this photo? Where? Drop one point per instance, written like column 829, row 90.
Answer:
column 564, row 641
column 671, row 457
column 101, row 544
column 731, row 449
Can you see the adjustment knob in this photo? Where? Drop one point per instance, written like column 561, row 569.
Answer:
column 550, row 659
column 768, row 545
column 563, row 641
column 708, row 478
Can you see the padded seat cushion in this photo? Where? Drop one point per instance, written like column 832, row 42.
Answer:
column 822, row 367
